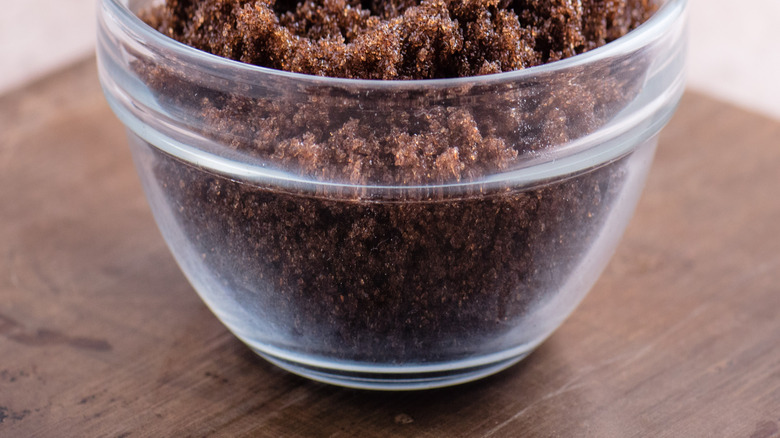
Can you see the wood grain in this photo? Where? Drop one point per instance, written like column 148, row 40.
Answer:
column 101, row 335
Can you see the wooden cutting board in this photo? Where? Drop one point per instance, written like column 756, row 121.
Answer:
column 101, row 335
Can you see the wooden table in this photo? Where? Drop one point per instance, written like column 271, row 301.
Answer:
column 101, row 335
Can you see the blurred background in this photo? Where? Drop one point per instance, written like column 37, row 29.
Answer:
column 734, row 53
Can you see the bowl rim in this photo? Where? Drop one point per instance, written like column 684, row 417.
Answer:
column 608, row 143
column 639, row 37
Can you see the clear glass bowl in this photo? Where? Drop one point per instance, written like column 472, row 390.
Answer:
column 381, row 269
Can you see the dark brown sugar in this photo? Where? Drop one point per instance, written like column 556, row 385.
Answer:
column 404, row 138
column 398, row 39
column 430, row 275
column 394, row 282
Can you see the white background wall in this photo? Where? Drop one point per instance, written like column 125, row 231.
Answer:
column 734, row 46
column 38, row 36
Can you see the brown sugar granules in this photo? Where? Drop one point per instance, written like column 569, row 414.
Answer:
column 398, row 39
column 421, row 277
column 392, row 282
column 405, row 138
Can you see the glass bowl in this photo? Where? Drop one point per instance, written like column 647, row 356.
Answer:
column 391, row 234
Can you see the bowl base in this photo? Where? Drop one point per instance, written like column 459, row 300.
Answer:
column 386, row 381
